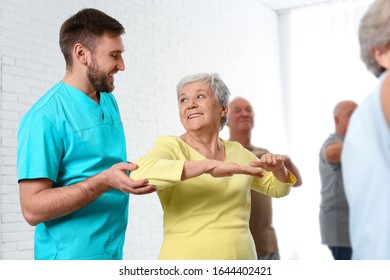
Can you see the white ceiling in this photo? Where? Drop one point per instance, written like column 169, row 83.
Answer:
column 279, row 5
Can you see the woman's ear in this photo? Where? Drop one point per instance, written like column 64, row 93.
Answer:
column 382, row 57
column 225, row 111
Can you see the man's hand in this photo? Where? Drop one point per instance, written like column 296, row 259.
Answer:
column 117, row 178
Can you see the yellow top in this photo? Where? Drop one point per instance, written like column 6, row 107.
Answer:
column 204, row 217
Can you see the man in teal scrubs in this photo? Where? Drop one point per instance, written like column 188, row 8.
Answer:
column 72, row 162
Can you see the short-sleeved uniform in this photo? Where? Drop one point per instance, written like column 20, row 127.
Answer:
column 204, row 217
column 67, row 137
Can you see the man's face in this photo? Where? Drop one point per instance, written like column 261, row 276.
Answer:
column 240, row 115
column 105, row 62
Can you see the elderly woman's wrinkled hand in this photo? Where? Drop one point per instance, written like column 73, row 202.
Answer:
column 269, row 162
column 223, row 169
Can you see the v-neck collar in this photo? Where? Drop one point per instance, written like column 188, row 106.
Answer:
column 195, row 151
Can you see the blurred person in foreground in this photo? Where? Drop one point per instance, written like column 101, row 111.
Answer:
column 204, row 182
column 366, row 151
column 241, row 123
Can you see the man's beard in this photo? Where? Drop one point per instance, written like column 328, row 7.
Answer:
column 99, row 79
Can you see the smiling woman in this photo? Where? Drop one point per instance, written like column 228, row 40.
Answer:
column 198, row 107
column 204, row 182
column 202, row 87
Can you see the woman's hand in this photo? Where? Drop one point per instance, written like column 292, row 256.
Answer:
column 223, row 169
column 269, row 162
column 275, row 164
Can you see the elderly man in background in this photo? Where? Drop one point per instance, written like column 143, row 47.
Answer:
column 334, row 210
column 241, row 123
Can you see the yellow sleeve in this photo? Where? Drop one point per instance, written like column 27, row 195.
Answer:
column 271, row 186
column 162, row 165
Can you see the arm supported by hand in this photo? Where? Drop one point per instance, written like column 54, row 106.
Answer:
column 166, row 164
column 41, row 202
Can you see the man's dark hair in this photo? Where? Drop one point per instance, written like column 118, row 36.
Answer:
column 85, row 27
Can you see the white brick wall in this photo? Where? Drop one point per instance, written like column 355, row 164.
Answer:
column 164, row 41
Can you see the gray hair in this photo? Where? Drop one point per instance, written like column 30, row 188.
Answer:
column 218, row 87
column 374, row 33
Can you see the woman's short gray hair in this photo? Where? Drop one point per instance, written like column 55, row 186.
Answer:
column 218, row 87
column 374, row 33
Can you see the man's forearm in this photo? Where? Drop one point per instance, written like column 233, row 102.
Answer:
column 49, row 203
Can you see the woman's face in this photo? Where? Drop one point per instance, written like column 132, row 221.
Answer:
column 199, row 109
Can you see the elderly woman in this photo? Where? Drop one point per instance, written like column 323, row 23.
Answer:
column 205, row 196
column 366, row 150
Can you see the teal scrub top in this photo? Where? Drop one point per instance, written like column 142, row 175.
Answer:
column 67, row 137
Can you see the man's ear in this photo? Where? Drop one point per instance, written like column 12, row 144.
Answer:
column 336, row 120
column 80, row 53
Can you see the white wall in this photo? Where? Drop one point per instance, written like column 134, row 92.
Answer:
column 164, row 41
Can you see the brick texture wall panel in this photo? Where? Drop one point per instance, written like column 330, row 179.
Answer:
column 164, row 41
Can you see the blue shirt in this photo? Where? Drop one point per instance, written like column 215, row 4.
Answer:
column 366, row 173
column 67, row 138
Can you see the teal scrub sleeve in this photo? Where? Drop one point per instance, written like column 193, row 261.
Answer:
column 39, row 148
